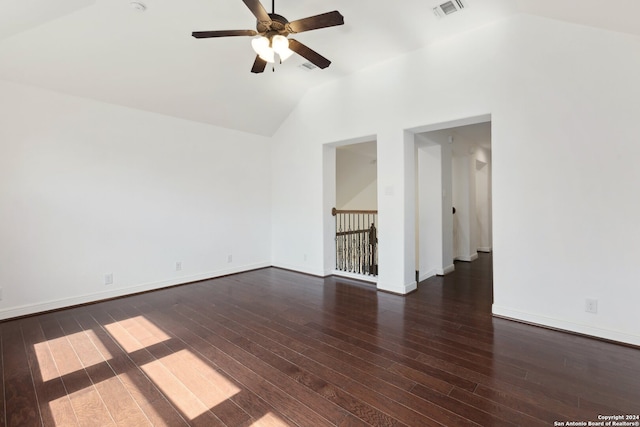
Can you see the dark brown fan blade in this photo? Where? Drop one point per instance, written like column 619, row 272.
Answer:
column 223, row 33
column 258, row 10
column 312, row 56
column 259, row 65
column 329, row 19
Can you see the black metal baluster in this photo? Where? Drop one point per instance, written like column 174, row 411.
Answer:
column 366, row 249
column 337, row 243
column 356, row 242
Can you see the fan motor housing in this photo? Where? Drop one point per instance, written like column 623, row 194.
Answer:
column 278, row 25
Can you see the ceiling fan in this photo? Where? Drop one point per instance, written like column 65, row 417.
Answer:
column 273, row 30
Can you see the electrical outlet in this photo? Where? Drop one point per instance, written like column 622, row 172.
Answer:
column 178, row 265
column 591, row 306
column 229, row 258
column 108, row 279
column 305, row 257
column 0, row 294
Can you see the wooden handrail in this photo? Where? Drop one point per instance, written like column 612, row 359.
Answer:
column 335, row 211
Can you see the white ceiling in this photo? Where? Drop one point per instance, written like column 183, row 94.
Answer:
column 105, row 50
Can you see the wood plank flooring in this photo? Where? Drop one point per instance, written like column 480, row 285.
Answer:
column 276, row 348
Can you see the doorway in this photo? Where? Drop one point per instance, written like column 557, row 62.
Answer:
column 350, row 203
column 356, row 209
column 453, row 194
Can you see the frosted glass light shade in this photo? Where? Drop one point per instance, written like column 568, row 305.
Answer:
column 268, row 55
column 259, row 44
column 279, row 43
column 285, row 54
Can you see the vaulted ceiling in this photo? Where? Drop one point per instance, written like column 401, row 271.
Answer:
column 107, row 51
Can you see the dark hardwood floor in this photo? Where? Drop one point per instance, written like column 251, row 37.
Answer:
column 273, row 347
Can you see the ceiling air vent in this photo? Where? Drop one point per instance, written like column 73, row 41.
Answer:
column 448, row 8
column 307, row 66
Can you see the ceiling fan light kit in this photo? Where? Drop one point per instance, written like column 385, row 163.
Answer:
column 280, row 43
column 273, row 31
column 285, row 54
column 266, row 49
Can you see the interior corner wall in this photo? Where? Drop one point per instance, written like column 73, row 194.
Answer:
column 396, row 211
column 434, row 196
column 483, row 201
column 461, row 203
column 89, row 189
column 356, row 181
column 448, row 266
column 559, row 237
column 329, row 154
column 366, row 199
column 430, row 201
column 464, row 200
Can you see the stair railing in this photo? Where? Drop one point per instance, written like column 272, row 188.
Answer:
column 356, row 241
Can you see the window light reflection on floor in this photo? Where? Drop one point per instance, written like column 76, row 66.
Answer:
column 62, row 412
column 136, row 333
column 269, row 420
column 44, row 350
column 72, row 409
column 190, row 384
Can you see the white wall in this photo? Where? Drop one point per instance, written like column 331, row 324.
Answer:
column 88, row 189
column 434, row 185
column 365, row 199
column 483, row 200
column 464, row 200
column 356, row 180
column 563, row 99
column 429, row 224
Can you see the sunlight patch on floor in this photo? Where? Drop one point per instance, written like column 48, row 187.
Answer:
column 136, row 333
column 45, row 350
column 61, row 412
column 90, row 408
column 270, row 420
column 144, row 399
column 191, row 385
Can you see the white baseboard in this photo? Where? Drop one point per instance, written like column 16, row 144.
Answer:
column 28, row 309
column 486, row 249
column 303, row 270
column 467, row 258
column 400, row 290
column 565, row 325
column 363, row 277
column 428, row 274
column 444, row 271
